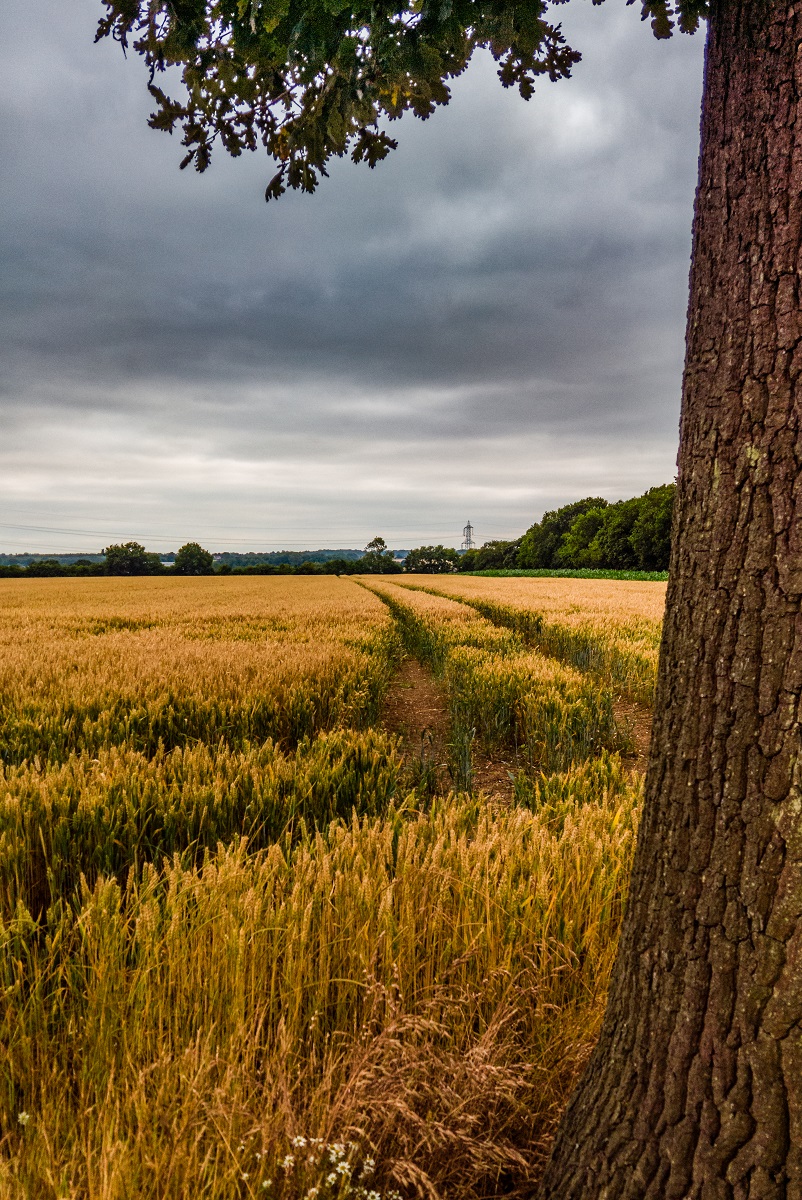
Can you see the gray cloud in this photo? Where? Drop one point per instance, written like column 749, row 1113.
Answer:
column 492, row 320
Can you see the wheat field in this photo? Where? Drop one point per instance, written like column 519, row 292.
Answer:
column 241, row 955
column 606, row 628
column 500, row 689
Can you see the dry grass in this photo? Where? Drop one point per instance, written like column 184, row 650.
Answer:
column 226, row 928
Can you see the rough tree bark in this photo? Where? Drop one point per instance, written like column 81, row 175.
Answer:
column 695, row 1087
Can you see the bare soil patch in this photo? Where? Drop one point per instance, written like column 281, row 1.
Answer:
column 638, row 720
column 494, row 774
column 416, row 708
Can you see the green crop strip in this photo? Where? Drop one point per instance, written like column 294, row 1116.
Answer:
column 502, row 692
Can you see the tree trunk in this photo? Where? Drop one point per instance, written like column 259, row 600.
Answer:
column 695, row 1087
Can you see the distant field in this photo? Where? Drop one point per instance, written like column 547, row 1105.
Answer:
column 247, row 947
column 608, row 629
column 596, row 598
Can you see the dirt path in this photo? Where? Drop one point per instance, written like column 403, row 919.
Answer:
column 638, row 719
column 416, row 708
column 495, row 774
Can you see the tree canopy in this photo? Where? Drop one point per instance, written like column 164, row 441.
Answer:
column 192, row 559
column 377, row 559
column 315, row 79
column 131, row 558
column 432, row 560
column 630, row 535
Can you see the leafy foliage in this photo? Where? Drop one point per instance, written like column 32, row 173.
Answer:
column 377, row 559
column 431, row 560
column 574, row 548
column 651, row 533
column 314, row 79
column 541, row 542
column 192, row 559
column 490, row 556
column 130, row 558
column 628, row 536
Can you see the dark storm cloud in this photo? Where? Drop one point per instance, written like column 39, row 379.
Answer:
column 511, row 282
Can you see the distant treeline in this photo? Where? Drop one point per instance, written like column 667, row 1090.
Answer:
column 289, row 558
column 131, row 558
column 25, row 560
column 590, row 534
column 631, row 535
column 252, row 558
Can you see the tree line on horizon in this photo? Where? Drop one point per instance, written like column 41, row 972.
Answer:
column 632, row 534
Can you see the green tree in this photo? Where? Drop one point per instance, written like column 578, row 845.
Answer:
column 192, row 559
column 340, row 566
column 497, row 555
column 611, row 546
column 694, row 1090
column 574, row 550
column 377, row 559
column 651, row 533
column 129, row 558
column 432, row 560
column 47, row 568
column 467, row 561
column 632, row 533
column 541, row 542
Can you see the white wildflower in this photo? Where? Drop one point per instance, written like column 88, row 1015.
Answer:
column 331, row 1179
column 288, row 1162
column 299, row 1142
column 23, row 1118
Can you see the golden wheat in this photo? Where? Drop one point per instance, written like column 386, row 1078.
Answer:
column 85, row 664
column 608, row 628
column 234, row 949
column 589, row 600
column 501, row 690
column 424, row 985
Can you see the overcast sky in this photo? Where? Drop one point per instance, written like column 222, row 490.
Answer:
column 487, row 325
